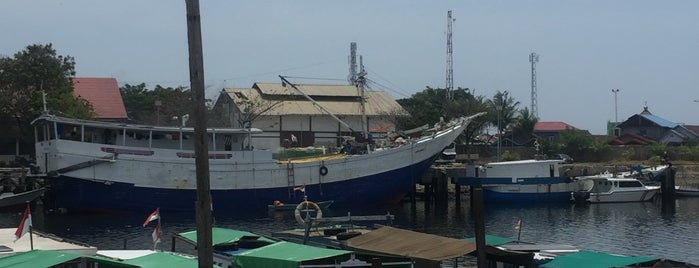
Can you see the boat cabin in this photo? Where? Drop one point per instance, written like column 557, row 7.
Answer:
column 520, row 169
column 49, row 127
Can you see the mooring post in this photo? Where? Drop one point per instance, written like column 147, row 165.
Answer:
column 441, row 190
column 457, row 194
column 667, row 185
column 480, row 226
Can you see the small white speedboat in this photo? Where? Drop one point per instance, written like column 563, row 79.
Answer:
column 603, row 189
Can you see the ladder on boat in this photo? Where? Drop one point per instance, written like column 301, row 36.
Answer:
column 291, row 180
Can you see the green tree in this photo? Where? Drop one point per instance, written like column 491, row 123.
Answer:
column 140, row 103
column 524, row 126
column 575, row 142
column 503, row 109
column 162, row 105
column 25, row 77
column 424, row 107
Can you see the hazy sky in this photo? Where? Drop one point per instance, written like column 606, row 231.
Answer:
column 649, row 50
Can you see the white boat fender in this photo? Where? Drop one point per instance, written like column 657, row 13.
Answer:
column 304, row 206
column 323, row 170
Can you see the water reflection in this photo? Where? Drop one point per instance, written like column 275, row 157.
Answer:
column 656, row 229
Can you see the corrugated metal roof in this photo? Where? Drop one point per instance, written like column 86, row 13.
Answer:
column 338, row 99
column 103, row 94
column 659, row 121
column 553, row 126
column 308, row 89
column 412, row 244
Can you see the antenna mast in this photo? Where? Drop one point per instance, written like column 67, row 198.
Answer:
column 352, row 78
column 450, row 59
column 533, row 59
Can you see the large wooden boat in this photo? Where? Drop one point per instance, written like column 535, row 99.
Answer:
column 115, row 166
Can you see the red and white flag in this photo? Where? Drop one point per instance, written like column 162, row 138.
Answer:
column 156, row 235
column 24, row 225
column 153, row 216
column 301, row 188
column 518, row 225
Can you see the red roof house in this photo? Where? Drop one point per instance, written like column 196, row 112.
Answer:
column 103, row 94
column 551, row 131
column 552, row 126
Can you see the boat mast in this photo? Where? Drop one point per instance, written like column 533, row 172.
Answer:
column 286, row 82
column 196, row 77
column 361, row 82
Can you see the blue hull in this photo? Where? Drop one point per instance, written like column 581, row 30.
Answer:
column 375, row 190
column 504, row 190
column 500, row 197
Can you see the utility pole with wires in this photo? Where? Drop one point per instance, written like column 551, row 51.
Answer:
column 450, row 59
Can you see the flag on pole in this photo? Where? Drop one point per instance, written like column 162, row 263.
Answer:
column 518, row 227
column 153, row 216
column 24, row 225
column 156, row 232
column 156, row 235
column 301, row 188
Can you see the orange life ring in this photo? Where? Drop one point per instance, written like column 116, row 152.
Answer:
column 304, row 206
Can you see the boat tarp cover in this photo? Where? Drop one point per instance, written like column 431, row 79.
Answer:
column 399, row 242
column 163, row 259
column 285, row 254
column 492, row 240
column 591, row 259
column 48, row 258
column 222, row 235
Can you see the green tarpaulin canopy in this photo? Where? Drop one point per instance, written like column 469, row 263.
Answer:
column 48, row 258
column 222, row 235
column 591, row 259
column 285, row 255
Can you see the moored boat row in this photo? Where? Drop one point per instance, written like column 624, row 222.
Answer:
column 540, row 181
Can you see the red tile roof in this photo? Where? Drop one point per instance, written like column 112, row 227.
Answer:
column 553, row 126
column 103, row 94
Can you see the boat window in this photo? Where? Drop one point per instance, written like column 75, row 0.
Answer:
column 43, row 132
column 137, row 138
column 69, row 132
column 171, row 140
column 630, row 184
column 93, row 134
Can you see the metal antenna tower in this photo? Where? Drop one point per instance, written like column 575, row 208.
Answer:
column 352, row 78
column 534, row 58
column 450, row 59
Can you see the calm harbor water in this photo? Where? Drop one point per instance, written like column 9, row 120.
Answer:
column 642, row 229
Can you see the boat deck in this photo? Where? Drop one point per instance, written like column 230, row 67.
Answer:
column 43, row 241
column 314, row 158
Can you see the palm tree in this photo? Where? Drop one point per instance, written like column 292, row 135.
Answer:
column 524, row 126
column 503, row 109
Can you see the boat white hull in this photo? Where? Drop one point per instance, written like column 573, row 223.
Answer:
column 625, row 196
column 93, row 176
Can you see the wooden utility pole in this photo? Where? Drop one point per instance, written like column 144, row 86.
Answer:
column 201, row 145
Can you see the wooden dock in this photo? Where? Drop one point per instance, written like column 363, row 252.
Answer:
column 40, row 240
